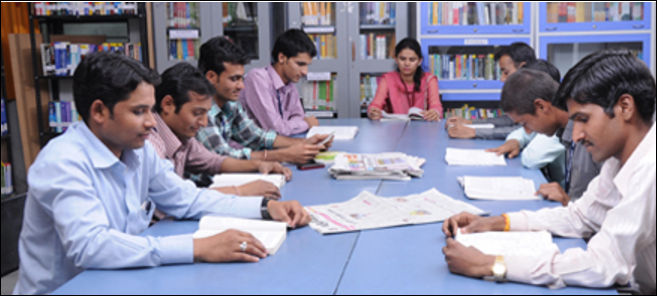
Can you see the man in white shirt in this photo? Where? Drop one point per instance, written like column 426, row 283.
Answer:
column 610, row 96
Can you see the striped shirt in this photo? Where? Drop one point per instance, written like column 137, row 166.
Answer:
column 618, row 212
column 187, row 155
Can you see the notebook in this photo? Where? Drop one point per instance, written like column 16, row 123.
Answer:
column 467, row 157
column 341, row 133
column 229, row 180
column 499, row 188
column 271, row 234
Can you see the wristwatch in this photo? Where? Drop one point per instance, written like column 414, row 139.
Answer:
column 499, row 271
column 264, row 209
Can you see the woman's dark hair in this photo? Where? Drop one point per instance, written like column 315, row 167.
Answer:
column 523, row 88
column 109, row 77
column 217, row 51
column 412, row 44
column 603, row 77
column 291, row 44
column 178, row 81
column 519, row 52
column 547, row 67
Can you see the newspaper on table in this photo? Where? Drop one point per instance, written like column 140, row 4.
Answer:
column 368, row 211
column 384, row 166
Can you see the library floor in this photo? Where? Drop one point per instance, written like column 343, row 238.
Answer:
column 8, row 283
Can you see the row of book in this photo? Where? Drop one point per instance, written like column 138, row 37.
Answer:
column 475, row 13
column 377, row 46
column 326, row 44
column 239, row 13
column 319, row 95
column 368, row 86
column 471, row 113
column 183, row 14
column 317, row 13
column 464, row 67
column 584, row 12
column 7, row 181
column 62, row 115
column 62, row 58
column 183, row 49
column 378, row 13
column 84, row 8
column 3, row 124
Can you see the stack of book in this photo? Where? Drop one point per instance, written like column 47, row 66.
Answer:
column 368, row 87
column 183, row 14
column 84, row 8
column 319, row 95
column 3, row 123
column 7, row 182
column 475, row 13
column 473, row 113
column 61, row 115
column 378, row 13
column 375, row 46
column 464, row 66
column 384, row 166
column 317, row 13
column 62, row 58
column 584, row 12
column 326, row 44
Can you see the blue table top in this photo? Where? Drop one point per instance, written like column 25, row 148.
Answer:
column 404, row 260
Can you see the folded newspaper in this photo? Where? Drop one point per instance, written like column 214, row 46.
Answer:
column 384, row 166
column 368, row 211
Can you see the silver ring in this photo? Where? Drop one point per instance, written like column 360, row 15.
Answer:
column 243, row 247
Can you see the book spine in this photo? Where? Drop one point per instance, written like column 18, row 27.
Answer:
column 58, row 116
column 3, row 118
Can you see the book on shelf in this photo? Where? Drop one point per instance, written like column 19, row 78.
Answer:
column 470, row 113
column 62, row 115
column 63, row 58
column 464, row 67
column 383, row 166
column 4, row 128
column 239, row 13
column 319, row 95
column 317, row 13
column 378, row 13
column 326, row 45
column 475, row 13
column 84, row 8
column 270, row 233
column 368, row 86
column 584, row 12
column 7, row 187
column 183, row 49
column 375, row 46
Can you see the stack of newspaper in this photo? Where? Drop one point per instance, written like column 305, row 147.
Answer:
column 385, row 166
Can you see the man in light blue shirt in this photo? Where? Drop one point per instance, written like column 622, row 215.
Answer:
column 95, row 188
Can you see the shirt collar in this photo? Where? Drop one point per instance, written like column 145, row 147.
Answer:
column 100, row 155
column 172, row 143
column 275, row 78
column 623, row 179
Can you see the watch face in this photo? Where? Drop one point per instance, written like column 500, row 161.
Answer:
column 499, row 269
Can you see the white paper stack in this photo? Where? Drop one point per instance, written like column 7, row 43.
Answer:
column 508, row 243
column 229, row 180
column 341, row 132
column 384, row 166
column 499, row 188
column 467, row 157
column 271, row 234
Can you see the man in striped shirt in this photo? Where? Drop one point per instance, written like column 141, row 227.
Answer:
column 182, row 102
column 222, row 63
column 610, row 96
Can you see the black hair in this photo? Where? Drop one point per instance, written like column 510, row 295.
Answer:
column 109, row 77
column 291, row 44
column 603, row 77
column 547, row 67
column 519, row 52
column 412, row 44
column 217, row 51
column 178, row 81
column 523, row 88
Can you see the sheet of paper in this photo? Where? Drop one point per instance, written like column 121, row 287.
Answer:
column 468, row 157
column 508, row 243
column 499, row 188
column 341, row 132
column 229, row 180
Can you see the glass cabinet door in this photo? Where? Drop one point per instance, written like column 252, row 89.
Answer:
column 594, row 16
column 240, row 23
column 183, row 30
column 475, row 18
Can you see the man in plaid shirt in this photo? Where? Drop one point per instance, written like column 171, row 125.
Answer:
column 223, row 62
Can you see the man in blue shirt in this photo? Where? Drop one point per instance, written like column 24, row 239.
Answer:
column 95, row 188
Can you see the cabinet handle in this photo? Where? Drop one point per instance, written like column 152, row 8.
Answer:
column 518, row 30
column 432, row 31
column 551, row 29
column 639, row 26
column 474, row 85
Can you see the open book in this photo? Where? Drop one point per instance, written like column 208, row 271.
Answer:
column 499, row 188
column 384, row 166
column 229, row 180
column 508, row 243
column 413, row 114
column 467, row 157
column 270, row 234
column 368, row 211
column 340, row 132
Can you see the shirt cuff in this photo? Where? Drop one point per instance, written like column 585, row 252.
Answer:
column 519, row 222
column 248, row 207
column 270, row 137
column 177, row 250
column 516, row 269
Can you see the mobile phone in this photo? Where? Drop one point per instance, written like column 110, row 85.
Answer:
column 329, row 138
column 310, row 166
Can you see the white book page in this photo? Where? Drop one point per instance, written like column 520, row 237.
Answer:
column 415, row 114
column 480, row 126
column 394, row 117
column 271, row 240
column 508, row 243
column 468, row 157
column 246, row 225
column 499, row 188
column 341, row 132
column 228, row 180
